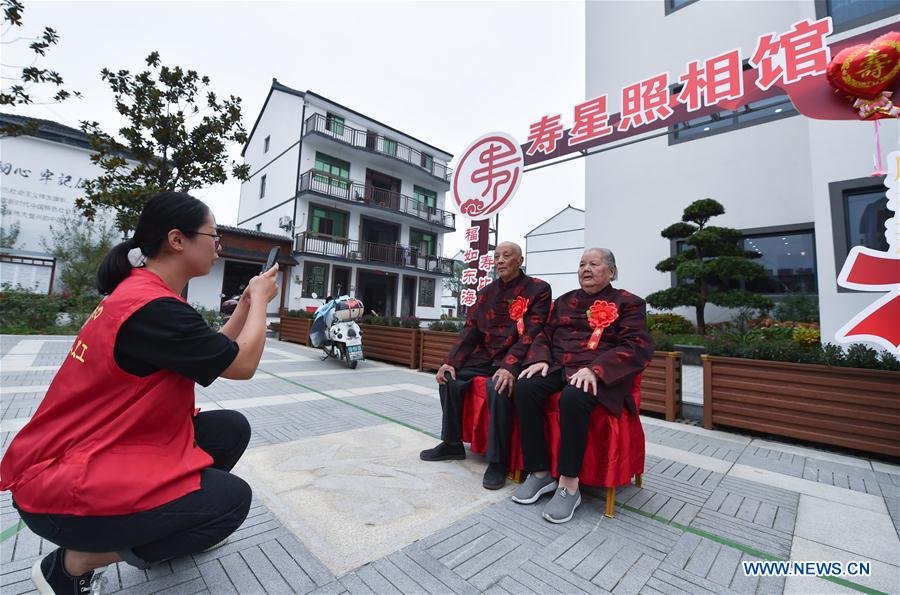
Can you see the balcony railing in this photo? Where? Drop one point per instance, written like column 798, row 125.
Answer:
column 372, row 141
column 357, row 192
column 371, row 253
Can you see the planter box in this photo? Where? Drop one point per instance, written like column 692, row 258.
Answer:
column 391, row 344
column 434, row 348
column 661, row 385
column 294, row 329
column 847, row 407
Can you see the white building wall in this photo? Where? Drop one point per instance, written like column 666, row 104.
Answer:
column 206, row 291
column 771, row 174
column 553, row 250
column 281, row 121
column 37, row 201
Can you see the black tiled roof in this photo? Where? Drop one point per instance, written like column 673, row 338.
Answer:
column 253, row 233
column 49, row 129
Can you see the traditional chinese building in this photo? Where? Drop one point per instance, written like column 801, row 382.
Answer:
column 553, row 250
column 363, row 202
column 800, row 190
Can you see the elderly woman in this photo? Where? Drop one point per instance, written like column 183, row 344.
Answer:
column 594, row 344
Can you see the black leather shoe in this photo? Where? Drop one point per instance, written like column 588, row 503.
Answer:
column 445, row 451
column 494, row 476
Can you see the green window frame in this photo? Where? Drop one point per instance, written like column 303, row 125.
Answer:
column 418, row 238
column 389, row 147
column 426, row 292
column 327, row 222
column 315, row 276
column 334, row 168
column 334, row 123
column 425, row 197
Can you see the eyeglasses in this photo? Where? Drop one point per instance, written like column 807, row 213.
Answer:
column 214, row 236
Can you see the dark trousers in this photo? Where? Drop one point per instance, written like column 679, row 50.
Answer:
column 575, row 408
column 183, row 526
column 501, row 409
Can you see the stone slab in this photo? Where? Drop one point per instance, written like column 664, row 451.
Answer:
column 353, row 497
column 810, row 488
column 854, row 530
column 884, row 577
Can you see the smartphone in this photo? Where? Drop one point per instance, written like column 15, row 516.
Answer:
column 272, row 259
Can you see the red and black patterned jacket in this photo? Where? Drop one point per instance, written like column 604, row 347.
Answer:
column 490, row 337
column 625, row 347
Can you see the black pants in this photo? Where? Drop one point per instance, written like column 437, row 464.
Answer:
column 501, row 409
column 183, row 526
column 575, row 407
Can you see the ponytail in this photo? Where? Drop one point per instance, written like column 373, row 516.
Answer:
column 115, row 268
column 163, row 212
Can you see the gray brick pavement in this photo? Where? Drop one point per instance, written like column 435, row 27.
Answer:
column 505, row 548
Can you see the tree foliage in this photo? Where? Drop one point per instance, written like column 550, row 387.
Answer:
column 26, row 78
column 8, row 235
column 176, row 139
column 455, row 284
column 80, row 248
column 710, row 268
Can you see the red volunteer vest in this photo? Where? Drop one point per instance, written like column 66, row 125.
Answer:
column 103, row 441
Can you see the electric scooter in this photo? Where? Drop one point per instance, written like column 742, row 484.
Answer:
column 335, row 331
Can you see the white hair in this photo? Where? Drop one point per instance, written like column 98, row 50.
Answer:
column 609, row 259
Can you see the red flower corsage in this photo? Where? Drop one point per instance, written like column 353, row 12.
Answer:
column 600, row 315
column 517, row 309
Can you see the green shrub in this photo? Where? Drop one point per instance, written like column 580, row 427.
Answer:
column 798, row 307
column 807, row 336
column 662, row 341
column 21, row 310
column 411, row 322
column 300, row 314
column 686, row 339
column 213, row 318
column 393, row 321
column 446, row 326
column 670, row 324
column 855, row 356
column 79, row 307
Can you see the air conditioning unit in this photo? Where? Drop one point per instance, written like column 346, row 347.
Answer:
column 285, row 223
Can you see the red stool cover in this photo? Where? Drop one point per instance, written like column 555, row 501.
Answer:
column 615, row 447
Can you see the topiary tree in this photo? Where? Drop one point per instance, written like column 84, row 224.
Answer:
column 709, row 267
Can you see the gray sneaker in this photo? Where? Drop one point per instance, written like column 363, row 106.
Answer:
column 533, row 488
column 561, row 508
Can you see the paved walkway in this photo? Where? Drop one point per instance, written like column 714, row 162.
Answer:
column 343, row 505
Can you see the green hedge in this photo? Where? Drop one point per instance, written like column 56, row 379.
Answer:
column 26, row 313
column 395, row 321
column 855, row 356
column 447, row 326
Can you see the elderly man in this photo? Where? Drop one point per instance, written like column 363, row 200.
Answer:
column 505, row 320
column 594, row 344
